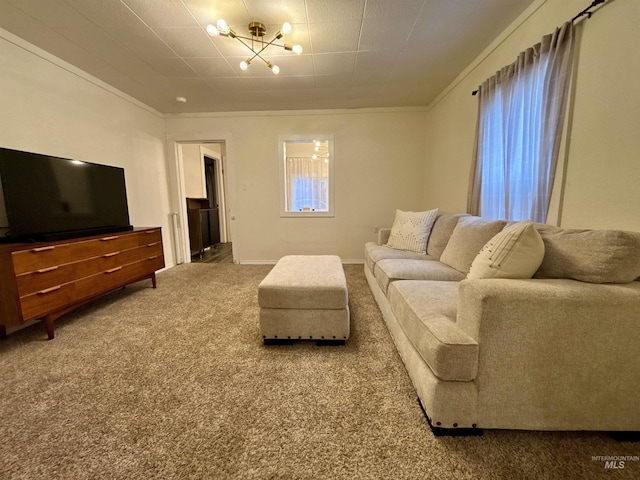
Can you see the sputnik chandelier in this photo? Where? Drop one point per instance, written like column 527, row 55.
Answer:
column 321, row 150
column 257, row 31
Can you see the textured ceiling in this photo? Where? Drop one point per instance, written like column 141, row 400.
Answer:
column 357, row 53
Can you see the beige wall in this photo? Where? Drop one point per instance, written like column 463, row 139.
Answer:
column 603, row 167
column 379, row 156
column 50, row 107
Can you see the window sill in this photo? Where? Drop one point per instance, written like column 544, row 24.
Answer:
column 306, row 214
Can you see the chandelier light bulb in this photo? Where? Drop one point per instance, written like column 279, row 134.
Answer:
column 286, row 28
column 212, row 30
column 244, row 65
column 222, row 26
column 275, row 69
column 314, row 156
column 297, row 49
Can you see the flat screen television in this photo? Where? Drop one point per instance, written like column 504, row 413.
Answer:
column 51, row 198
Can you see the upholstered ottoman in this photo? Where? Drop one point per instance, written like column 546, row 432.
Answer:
column 305, row 297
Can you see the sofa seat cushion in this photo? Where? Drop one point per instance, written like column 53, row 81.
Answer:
column 373, row 253
column 426, row 311
column 391, row 269
column 594, row 256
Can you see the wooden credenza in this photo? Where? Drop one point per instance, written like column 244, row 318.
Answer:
column 46, row 280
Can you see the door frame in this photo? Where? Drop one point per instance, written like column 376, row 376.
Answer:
column 175, row 175
column 220, row 188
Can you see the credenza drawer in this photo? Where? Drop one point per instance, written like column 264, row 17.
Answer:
column 48, row 300
column 42, row 279
column 150, row 236
column 40, row 257
column 45, row 301
column 151, row 264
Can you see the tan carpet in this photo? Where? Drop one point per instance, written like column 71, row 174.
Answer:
column 175, row 383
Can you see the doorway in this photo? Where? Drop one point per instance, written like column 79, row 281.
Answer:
column 219, row 250
column 203, row 181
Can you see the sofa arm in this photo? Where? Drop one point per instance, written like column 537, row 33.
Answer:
column 555, row 354
column 383, row 236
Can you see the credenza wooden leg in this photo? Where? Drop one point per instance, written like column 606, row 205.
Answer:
column 153, row 280
column 3, row 332
column 48, row 324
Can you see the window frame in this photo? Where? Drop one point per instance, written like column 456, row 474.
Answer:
column 282, row 140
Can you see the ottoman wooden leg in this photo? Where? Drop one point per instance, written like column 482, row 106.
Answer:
column 277, row 341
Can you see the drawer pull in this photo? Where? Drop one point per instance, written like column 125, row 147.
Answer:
column 45, row 270
column 49, row 290
column 153, row 258
column 113, row 270
column 150, row 232
column 107, row 239
column 113, row 254
column 152, row 244
column 42, row 249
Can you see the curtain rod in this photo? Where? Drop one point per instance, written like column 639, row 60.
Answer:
column 587, row 11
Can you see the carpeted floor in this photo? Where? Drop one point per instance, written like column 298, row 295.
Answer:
column 175, row 383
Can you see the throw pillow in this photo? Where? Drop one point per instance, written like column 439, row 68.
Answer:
column 516, row 252
column 410, row 230
column 468, row 237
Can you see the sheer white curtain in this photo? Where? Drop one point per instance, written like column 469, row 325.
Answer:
column 307, row 184
column 520, row 120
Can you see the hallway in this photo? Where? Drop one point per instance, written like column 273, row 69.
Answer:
column 219, row 253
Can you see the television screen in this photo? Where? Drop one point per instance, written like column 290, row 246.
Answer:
column 49, row 198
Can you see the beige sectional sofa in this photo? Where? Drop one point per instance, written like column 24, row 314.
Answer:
column 559, row 351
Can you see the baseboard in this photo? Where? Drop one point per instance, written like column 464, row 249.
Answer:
column 273, row 262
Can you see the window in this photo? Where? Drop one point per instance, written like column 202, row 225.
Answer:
column 520, row 119
column 306, row 175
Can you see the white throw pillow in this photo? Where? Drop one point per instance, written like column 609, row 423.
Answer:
column 516, row 252
column 410, row 230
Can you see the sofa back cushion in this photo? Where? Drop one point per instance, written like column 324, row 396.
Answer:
column 594, row 256
column 469, row 236
column 441, row 233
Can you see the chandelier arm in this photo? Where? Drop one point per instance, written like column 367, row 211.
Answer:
column 265, row 45
column 257, row 53
column 249, row 47
column 271, row 43
column 246, row 38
